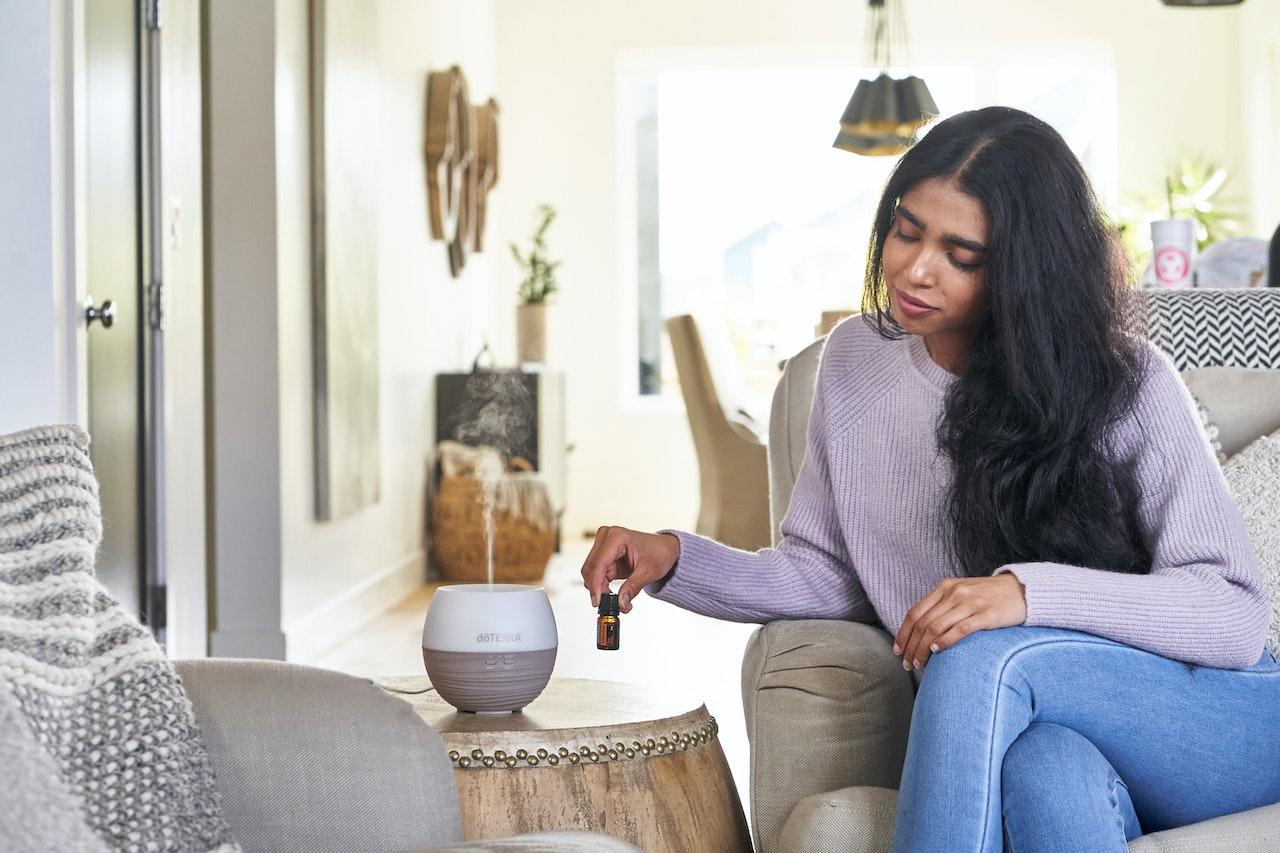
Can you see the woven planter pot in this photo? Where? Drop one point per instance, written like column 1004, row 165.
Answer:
column 531, row 333
column 521, row 549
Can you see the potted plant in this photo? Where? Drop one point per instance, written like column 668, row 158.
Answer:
column 538, row 284
column 1191, row 191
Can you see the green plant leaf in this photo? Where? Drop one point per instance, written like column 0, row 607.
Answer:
column 539, row 281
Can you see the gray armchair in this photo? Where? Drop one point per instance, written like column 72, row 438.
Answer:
column 828, row 704
column 311, row 760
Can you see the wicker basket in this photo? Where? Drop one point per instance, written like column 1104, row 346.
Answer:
column 521, row 549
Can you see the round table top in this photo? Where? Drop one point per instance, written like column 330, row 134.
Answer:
column 566, row 703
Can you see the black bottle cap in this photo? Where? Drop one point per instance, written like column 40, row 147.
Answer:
column 608, row 604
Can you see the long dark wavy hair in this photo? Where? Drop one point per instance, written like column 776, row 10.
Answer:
column 1056, row 361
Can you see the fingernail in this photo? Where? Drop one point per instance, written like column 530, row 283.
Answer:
column 906, row 666
column 896, row 650
column 916, row 664
column 933, row 647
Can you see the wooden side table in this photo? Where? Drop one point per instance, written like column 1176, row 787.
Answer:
column 591, row 755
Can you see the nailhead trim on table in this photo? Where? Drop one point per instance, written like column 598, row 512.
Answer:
column 478, row 759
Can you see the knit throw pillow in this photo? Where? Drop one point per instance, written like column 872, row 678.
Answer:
column 108, row 718
column 1253, row 475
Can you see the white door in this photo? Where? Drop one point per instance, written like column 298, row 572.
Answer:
column 143, row 254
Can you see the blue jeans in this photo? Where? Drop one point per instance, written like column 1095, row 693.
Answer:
column 1052, row 739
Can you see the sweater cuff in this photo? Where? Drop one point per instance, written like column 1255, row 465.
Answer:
column 1055, row 596
column 693, row 577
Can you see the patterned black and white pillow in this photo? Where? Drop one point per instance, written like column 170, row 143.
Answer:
column 1203, row 327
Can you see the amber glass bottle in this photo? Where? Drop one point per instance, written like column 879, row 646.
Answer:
column 607, row 624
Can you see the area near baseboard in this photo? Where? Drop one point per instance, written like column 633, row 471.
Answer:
column 312, row 634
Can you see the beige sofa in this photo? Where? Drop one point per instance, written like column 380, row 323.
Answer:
column 828, row 705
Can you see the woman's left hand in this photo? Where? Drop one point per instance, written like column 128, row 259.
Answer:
column 956, row 608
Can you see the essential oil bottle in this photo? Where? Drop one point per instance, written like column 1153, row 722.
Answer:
column 607, row 624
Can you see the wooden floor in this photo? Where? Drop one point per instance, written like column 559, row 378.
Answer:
column 663, row 647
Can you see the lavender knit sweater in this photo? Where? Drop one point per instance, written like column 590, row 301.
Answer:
column 866, row 533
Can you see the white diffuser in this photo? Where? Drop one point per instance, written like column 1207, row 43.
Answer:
column 489, row 648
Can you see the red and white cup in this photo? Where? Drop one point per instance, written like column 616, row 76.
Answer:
column 1173, row 251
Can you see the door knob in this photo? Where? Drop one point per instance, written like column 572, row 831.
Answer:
column 106, row 314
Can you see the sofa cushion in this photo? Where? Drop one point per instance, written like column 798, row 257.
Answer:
column 1253, row 476
column 1254, row 831
column 1242, row 402
column 861, row 820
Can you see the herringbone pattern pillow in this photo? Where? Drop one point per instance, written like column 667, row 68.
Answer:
column 1216, row 328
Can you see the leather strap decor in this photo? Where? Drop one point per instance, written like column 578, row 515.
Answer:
column 486, row 164
column 450, row 149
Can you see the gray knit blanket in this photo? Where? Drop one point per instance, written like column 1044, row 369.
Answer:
column 96, row 725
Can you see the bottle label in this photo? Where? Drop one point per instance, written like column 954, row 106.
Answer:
column 607, row 635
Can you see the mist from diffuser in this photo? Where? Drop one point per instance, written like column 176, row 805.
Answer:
column 498, row 413
column 883, row 115
column 489, row 648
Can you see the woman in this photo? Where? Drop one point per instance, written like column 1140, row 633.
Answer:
column 1010, row 478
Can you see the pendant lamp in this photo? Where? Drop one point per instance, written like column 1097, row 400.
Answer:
column 884, row 114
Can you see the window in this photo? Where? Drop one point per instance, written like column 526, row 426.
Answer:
column 746, row 216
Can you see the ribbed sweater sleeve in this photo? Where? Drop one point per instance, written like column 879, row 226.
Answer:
column 1203, row 601
column 808, row 576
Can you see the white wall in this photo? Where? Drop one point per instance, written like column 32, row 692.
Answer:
column 1260, row 109
column 244, row 411
column 1177, row 74
column 337, row 575
column 182, row 183
column 38, row 328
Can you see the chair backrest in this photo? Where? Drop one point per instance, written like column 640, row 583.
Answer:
column 1226, row 343
column 708, row 370
column 789, row 427
column 733, row 486
column 697, row 384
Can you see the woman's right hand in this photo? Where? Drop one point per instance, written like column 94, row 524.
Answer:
column 640, row 558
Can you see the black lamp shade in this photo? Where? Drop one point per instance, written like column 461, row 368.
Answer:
column 884, row 114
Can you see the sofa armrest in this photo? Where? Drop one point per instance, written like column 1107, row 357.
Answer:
column 828, row 706
column 1254, row 831
column 311, row 759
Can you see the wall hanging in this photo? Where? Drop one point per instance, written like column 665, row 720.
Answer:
column 486, row 164
column 462, row 164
